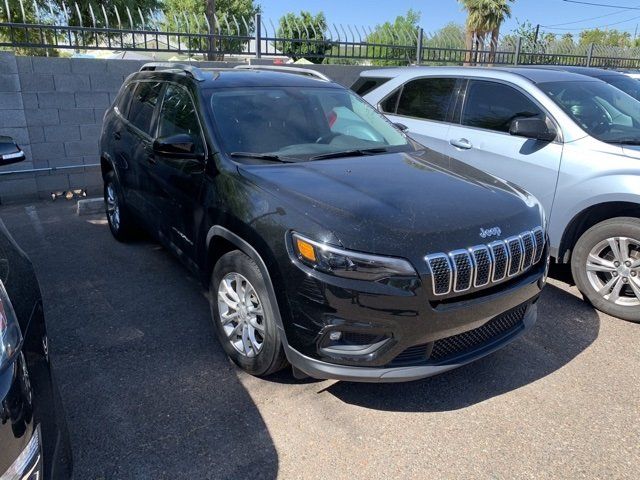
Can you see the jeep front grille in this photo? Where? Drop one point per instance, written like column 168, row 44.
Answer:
column 482, row 265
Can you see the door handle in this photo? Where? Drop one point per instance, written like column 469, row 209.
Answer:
column 117, row 136
column 461, row 143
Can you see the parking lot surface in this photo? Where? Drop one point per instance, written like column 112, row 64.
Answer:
column 149, row 393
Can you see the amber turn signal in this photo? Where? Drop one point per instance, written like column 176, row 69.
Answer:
column 306, row 250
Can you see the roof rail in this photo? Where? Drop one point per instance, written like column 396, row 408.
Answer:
column 192, row 70
column 295, row 70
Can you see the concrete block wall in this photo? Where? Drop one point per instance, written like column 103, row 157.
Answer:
column 53, row 107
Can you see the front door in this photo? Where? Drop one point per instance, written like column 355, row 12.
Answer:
column 482, row 139
column 179, row 180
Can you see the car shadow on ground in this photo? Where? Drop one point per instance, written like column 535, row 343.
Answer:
column 557, row 338
column 147, row 390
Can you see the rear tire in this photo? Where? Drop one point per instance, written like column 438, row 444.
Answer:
column 244, row 317
column 606, row 267
column 118, row 216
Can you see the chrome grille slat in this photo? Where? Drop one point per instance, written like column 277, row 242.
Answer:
column 538, row 235
column 514, row 247
column 500, row 260
column 462, row 270
column 482, row 265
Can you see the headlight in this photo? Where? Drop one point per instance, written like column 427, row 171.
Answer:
column 10, row 336
column 348, row 264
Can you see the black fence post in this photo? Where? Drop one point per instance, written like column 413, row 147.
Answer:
column 589, row 54
column 419, row 46
column 516, row 56
column 258, row 37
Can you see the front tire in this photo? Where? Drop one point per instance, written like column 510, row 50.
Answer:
column 243, row 316
column 606, row 267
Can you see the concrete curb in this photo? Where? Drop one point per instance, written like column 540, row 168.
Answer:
column 90, row 206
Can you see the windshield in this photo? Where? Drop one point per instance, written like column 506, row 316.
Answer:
column 301, row 123
column 626, row 84
column 603, row 111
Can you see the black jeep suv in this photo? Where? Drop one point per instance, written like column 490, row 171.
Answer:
column 327, row 238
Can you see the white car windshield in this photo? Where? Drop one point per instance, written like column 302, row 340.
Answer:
column 603, row 111
column 301, row 123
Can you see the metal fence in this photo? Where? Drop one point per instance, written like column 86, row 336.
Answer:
column 57, row 26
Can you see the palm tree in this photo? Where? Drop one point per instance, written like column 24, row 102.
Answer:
column 484, row 17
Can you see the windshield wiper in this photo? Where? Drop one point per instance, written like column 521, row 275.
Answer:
column 350, row 153
column 261, row 156
column 627, row 141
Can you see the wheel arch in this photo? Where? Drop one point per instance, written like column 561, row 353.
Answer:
column 589, row 217
column 221, row 240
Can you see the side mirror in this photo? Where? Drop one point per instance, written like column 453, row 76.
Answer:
column 181, row 146
column 401, row 126
column 10, row 152
column 532, row 127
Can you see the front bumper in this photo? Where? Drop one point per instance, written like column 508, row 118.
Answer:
column 324, row 370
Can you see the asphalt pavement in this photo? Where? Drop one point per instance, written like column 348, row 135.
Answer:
column 149, row 393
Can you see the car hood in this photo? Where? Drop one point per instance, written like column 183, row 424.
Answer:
column 403, row 204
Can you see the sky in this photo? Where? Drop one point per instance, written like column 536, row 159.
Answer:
column 559, row 15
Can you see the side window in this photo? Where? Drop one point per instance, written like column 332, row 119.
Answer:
column 427, row 98
column 388, row 105
column 364, row 85
column 492, row 106
column 122, row 103
column 178, row 116
column 145, row 99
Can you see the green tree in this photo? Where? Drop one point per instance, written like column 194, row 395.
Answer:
column 235, row 17
column 451, row 36
column 394, row 41
column 609, row 38
column 51, row 12
column 307, row 34
column 484, row 17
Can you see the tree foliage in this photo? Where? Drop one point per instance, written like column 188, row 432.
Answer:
column 390, row 40
column 609, row 38
column 234, row 18
column 308, row 31
column 484, row 17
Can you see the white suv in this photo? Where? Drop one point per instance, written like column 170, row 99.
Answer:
column 571, row 140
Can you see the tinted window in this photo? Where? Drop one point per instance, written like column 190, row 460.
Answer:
column 122, row 103
column 427, row 98
column 388, row 105
column 365, row 84
column 493, row 106
column 145, row 98
column 178, row 115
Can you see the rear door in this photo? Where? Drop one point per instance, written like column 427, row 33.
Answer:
column 424, row 105
column 482, row 139
column 179, row 181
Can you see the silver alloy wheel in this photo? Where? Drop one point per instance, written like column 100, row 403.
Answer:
column 613, row 269
column 113, row 209
column 241, row 314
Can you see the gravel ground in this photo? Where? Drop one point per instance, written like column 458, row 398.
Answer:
column 149, row 393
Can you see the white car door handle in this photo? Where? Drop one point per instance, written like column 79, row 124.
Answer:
column 461, row 143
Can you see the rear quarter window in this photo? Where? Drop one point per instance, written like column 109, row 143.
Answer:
column 364, row 85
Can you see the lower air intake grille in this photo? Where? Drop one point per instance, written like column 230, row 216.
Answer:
column 456, row 345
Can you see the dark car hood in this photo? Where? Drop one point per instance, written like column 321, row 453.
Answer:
column 403, row 204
